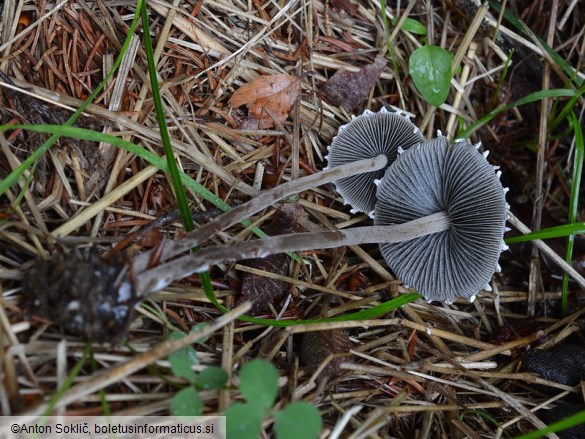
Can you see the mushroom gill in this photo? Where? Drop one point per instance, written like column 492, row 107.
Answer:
column 367, row 136
column 456, row 179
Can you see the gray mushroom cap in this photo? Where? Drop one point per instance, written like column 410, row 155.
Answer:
column 433, row 177
column 368, row 136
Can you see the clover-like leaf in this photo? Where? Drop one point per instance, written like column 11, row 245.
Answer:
column 187, row 403
column 183, row 359
column 212, row 378
column 244, row 421
column 259, row 383
column 298, row 419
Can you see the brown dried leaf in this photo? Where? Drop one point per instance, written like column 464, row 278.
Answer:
column 261, row 290
column 350, row 89
column 267, row 97
column 345, row 6
column 317, row 346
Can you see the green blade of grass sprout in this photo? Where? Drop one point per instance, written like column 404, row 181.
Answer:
column 551, row 232
column 532, row 97
column 166, row 141
column 571, row 421
column 365, row 314
column 13, row 177
column 567, row 109
column 574, row 200
column 172, row 167
column 102, row 393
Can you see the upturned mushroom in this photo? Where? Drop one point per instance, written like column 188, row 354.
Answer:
column 455, row 179
column 367, row 136
column 463, row 210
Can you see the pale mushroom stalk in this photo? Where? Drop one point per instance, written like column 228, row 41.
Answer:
column 162, row 275
column 439, row 220
column 257, row 204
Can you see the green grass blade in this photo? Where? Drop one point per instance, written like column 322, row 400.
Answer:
column 574, row 200
column 567, row 108
column 532, row 97
column 172, row 167
column 166, row 141
column 571, row 421
column 13, row 177
column 68, row 381
column 366, row 314
column 551, row 232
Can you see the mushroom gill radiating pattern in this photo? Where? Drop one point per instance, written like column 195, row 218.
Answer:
column 368, row 136
column 433, row 177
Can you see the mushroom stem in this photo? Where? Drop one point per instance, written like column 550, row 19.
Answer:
column 162, row 275
column 255, row 205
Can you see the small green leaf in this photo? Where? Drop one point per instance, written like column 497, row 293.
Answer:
column 259, row 383
column 199, row 327
column 187, row 403
column 430, row 68
column 243, row 421
column 411, row 25
column 298, row 419
column 212, row 378
column 183, row 360
column 181, row 366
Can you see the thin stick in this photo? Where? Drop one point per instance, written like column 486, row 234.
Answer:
column 255, row 205
column 159, row 277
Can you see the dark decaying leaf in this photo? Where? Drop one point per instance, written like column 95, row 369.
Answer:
column 345, row 7
column 37, row 112
column 82, row 293
column 350, row 89
column 262, row 290
column 317, row 346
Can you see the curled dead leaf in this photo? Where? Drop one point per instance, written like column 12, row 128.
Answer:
column 317, row 346
column 262, row 290
column 269, row 98
column 350, row 89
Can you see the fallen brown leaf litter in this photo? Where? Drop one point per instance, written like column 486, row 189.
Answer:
column 351, row 89
column 269, row 99
column 263, row 291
